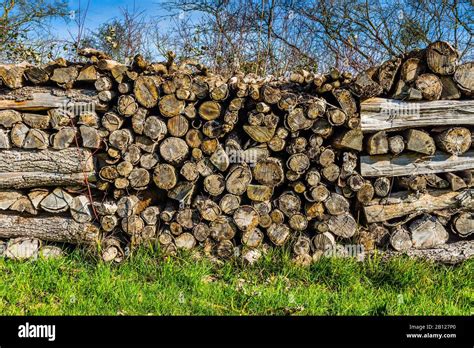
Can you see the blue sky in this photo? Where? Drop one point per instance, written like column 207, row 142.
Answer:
column 102, row 10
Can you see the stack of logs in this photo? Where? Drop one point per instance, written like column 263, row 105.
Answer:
column 114, row 156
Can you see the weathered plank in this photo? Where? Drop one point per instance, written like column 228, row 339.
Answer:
column 404, row 203
column 52, row 228
column 451, row 253
column 23, row 169
column 42, row 98
column 412, row 164
column 379, row 114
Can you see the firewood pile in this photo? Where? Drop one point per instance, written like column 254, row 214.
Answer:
column 113, row 156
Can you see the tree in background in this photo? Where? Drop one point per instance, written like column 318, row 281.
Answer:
column 273, row 36
column 23, row 27
column 258, row 36
column 122, row 37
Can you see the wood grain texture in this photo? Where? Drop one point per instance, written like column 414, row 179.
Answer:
column 412, row 164
column 23, row 169
column 52, row 228
column 385, row 114
column 404, row 203
column 45, row 98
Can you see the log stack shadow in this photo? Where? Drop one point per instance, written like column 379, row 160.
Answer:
column 113, row 156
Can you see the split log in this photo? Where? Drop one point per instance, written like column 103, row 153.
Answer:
column 420, row 141
column 450, row 89
column 80, row 208
column 427, row 232
column 9, row 117
column 344, row 98
column 387, row 72
column 463, row 224
column 455, row 182
column 343, row 225
column 430, row 86
column 36, row 139
column 451, row 253
column 23, row 169
column 22, row 248
column 278, row 233
column 414, row 182
column 57, row 201
column 464, row 79
column 403, row 203
column 246, row 218
column 37, row 75
column 12, row 74
column 411, row 69
column 365, row 87
column 382, row 186
column 377, row 144
column 456, row 140
column 351, row 139
column 400, row 239
column 49, row 228
column 65, row 77
column 411, row 164
column 86, row 74
column 261, row 134
column 64, row 138
column 324, row 241
column 434, row 181
column 268, row 172
column 146, row 91
column 441, row 58
column 90, row 137
column 383, row 114
column 30, row 99
column 174, row 150
column 170, row 106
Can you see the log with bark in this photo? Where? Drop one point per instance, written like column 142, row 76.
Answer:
column 172, row 155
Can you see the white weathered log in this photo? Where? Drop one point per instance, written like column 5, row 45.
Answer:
column 36, row 99
column 427, row 232
column 405, row 203
column 385, row 114
column 412, row 164
column 450, row 253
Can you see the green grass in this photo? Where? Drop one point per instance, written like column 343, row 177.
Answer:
column 148, row 285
